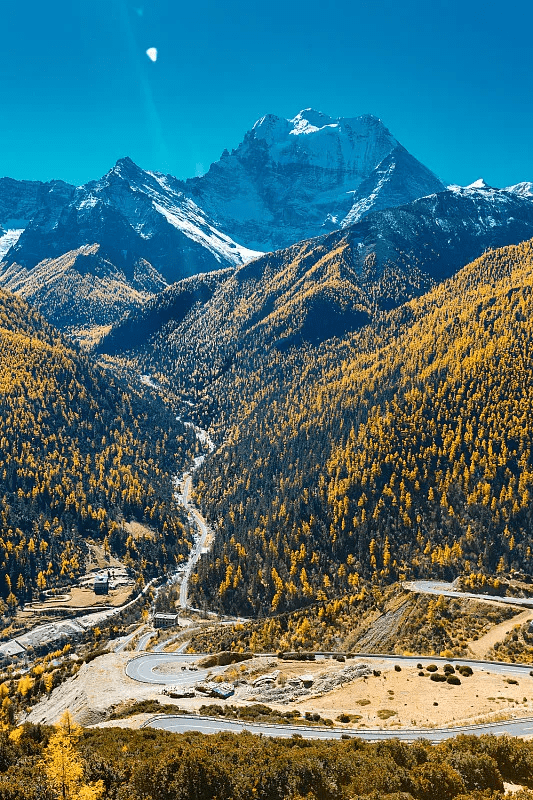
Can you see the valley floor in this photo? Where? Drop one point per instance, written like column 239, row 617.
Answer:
column 392, row 693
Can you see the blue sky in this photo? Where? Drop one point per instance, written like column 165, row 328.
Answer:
column 452, row 80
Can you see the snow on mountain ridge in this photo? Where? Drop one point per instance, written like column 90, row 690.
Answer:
column 479, row 184
column 490, row 193
column 270, row 129
column 288, row 180
column 291, row 179
column 523, row 189
column 126, row 186
column 8, row 238
column 310, row 121
column 190, row 220
column 353, row 144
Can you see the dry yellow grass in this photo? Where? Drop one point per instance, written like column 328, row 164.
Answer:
column 139, row 531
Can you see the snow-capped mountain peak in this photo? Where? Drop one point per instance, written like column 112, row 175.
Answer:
column 134, row 215
column 138, row 193
column 125, row 163
column 479, row 184
column 310, row 121
column 523, row 189
column 291, row 179
column 125, row 169
column 287, row 181
column 270, row 129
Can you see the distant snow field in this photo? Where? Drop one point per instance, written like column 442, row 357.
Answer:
column 8, row 238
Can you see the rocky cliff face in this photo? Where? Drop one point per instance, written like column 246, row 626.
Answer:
column 292, row 179
column 287, row 181
column 20, row 201
column 132, row 215
column 326, row 286
column 96, row 251
column 86, row 255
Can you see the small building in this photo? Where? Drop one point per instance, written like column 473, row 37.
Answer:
column 101, row 584
column 165, row 620
column 212, row 689
column 222, row 690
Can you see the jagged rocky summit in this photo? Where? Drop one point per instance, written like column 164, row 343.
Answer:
column 291, row 179
column 288, row 180
column 86, row 255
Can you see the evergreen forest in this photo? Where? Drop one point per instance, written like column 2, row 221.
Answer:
column 40, row 763
column 400, row 450
column 80, row 453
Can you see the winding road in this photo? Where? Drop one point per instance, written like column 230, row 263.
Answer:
column 147, row 668
column 186, row 723
column 447, row 590
column 144, row 639
column 144, row 668
column 124, row 641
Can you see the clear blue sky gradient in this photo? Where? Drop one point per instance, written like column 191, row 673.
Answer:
column 452, row 80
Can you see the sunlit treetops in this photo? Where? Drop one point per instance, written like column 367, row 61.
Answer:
column 154, row 765
column 192, row 333
column 79, row 453
column 404, row 449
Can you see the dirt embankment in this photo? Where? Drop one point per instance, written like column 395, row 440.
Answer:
column 386, row 698
column 480, row 648
column 93, row 692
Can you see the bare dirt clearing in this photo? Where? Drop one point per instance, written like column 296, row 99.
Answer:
column 97, row 559
column 85, row 598
column 139, row 531
column 482, row 646
column 388, row 700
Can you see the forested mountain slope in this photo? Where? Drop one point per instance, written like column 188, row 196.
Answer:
column 81, row 290
column 85, row 255
column 101, row 249
column 79, row 453
column 404, row 449
column 315, row 290
column 163, row 314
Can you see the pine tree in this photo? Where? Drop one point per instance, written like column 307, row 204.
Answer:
column 64, row 767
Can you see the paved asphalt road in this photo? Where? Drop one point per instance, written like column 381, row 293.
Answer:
column 183, row 724
column 447, row 590
column 123, row 642
column 144, row 639
column 144, row 668
column 160, row 646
